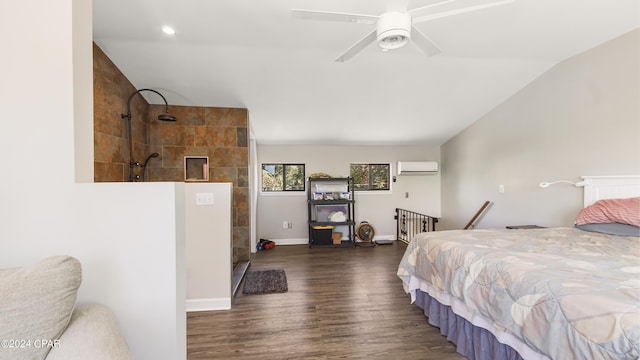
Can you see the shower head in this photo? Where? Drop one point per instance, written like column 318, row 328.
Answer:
column 162, row 117
column 166, row 117
column 144, row 165
column 153, row 155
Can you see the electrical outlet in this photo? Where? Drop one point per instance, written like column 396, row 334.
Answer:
column 501, row 189
column 285, row 224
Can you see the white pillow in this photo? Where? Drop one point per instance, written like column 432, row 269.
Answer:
column 36, row 303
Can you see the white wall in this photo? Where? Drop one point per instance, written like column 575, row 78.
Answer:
column 209, row 247
column 128, row 237
column 254, row 188
column 377, row 208
column 83, row 100
column 582, row 117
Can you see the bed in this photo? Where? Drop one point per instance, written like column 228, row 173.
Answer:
column 548, row 293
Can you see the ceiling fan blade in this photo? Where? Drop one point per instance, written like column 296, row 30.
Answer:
column 426, row 45
column 422, row 18
column 357, row 47
column 333, row 16
column 425, row 10
column 398, row 6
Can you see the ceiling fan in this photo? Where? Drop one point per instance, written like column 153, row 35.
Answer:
column 396, row 27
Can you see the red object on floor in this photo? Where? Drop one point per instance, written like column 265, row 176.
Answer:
column 266, row 244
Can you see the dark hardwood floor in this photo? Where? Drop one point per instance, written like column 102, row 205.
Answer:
column 341, row 303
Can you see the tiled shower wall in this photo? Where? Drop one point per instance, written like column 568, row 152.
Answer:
column 111, row 90
column 219, row 133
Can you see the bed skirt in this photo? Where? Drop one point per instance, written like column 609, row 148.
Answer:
column 471, row 341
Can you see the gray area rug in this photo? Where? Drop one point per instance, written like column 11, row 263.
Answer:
column 265, row 282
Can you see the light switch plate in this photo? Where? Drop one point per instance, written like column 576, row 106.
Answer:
column 204, row 199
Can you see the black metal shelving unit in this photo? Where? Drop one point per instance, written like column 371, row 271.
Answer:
column 327, row 199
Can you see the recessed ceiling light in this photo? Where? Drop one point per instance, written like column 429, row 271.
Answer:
column 168, row 30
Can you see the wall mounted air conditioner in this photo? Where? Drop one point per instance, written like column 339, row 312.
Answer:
column 417, row 167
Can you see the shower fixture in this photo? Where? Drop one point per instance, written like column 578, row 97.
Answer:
column 154, row 155
column 166, row 117
column 162, row 117
column 144, row 164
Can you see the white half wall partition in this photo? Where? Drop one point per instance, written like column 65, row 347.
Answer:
column 129, row 237
column 208, row 209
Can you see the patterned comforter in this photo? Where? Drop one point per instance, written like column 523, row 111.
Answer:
column 564, row 292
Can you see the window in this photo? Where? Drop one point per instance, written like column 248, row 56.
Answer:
column 370, row 177
column 282, row 177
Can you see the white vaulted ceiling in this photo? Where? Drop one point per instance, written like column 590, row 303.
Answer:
column 253, row 54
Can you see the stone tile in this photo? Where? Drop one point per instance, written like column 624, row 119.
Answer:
column 230, row 157
column 218, row 136
column 107, row 117
column 240, row 236
column 241, row 134
column 111, row 91
column 168, row 133
column 243, row 251
column 198, row 151
column 219, row 174
column 166, row 174
column 235, row 117
column 243, row 177
column 173, row 157
column 235, row 256
column 110, row 149
column 108, row 172
column 241, row 216
column 105, row 69
column 241, row 197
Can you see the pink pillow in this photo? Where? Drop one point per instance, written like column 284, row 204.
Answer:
column 623, row 211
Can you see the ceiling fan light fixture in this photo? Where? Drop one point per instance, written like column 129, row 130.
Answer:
column 393, row 40
column 393, row 30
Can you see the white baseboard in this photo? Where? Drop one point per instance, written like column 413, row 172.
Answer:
column 208, row 304
column 305, row 241
column 384, row 237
